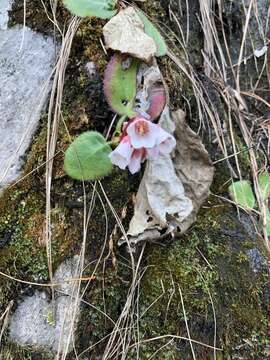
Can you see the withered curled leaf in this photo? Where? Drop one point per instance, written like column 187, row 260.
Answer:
column 125, row 33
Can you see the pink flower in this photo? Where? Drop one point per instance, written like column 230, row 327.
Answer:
column 145, row 134
column 122, row 154
column 126, row 156
column 141, row 140
column 137, row 157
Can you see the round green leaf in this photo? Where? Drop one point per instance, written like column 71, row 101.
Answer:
column 241, row 192
column 151, row 30
column 87, row 158
column 103, row 9
column 264, row 183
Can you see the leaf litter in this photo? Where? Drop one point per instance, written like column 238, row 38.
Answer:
column 173, row 187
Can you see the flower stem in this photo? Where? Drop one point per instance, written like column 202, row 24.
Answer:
column 120, row 124
column 118, row 130
column 113, row 142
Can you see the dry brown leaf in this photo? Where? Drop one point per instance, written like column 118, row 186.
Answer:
column 192, row 165
column 161, row 199
column 125, row 33
column 160, row 195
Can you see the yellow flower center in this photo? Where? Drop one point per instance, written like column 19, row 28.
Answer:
column 141, row 128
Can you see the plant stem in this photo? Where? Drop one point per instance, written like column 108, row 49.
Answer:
column 114, row 142
column 120, row 124
column 117, row 133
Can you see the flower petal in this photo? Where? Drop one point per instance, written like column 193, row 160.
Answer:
column 162, row 135
column 168, row 145
column 122, row 154
column 142, row 133
column 152, row 154
column 135, row 161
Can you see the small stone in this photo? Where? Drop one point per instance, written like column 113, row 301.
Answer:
column 67, row 270
column 91, row 69
column 38, row 324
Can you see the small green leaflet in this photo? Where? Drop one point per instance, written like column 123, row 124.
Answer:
column 87, row 158
column 264, row 183
column 241, row 192
column 151, row 30
column 103, row 9
column 120, row 81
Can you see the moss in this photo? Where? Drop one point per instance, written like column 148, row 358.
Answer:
column 226, row 275
column 107, row 295
column 34, row 16
column 209, row 260
column 13, row 352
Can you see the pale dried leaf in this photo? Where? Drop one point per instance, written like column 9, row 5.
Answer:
column 260, row 52
column 148, row 78
column 192, row 165
column 125, row 33
column 160, row 194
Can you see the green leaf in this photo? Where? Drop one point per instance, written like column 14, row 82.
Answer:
column 103, row 9
column 120, row 81
column 268, row 222
column 151, row 30
column 87, row 158
column 264, row 184
column 241, row 192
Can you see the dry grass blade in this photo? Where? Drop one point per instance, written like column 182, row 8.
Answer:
column 52, row 125
column 227, row 80
column 4, row 319
column 186, row 322
column 177, row 338
column 119, row 341
column 51, row 285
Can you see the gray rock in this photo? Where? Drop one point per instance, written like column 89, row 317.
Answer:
column 258, row 25
column 91, row 69
column 5, row 6
column 33, row 311
column 257, row 261
column 25, row 67
column 67, row 270
column 34, row 323
column 235, row 12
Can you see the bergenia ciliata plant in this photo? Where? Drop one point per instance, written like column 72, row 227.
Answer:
column 136, row 137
